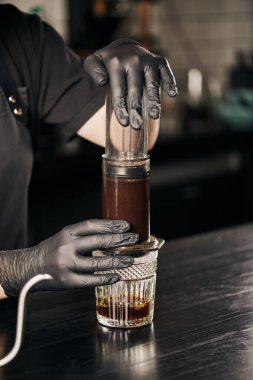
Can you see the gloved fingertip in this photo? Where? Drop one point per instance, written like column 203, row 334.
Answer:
column 135, row 119
column 122, row 117
column 102, row 82
column 128, row 238
column 125, row 262
column 133, row 238
column 137, row 128
column 124, row 122
column 172, row 90
column 120, row 226
column 173, row 94
column 154, row 111
column 125, row 225
column 154, row 115
column 114, row 278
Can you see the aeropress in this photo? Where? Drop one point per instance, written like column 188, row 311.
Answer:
column 126, row 196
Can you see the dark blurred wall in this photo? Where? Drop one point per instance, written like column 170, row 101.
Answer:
column 93, row 22
column 203, row 33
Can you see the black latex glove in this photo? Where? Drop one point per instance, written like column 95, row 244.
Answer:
column 64, row 257
column 129, row 66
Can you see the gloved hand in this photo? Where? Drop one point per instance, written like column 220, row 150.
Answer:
column 63, row 256
column 129, row 66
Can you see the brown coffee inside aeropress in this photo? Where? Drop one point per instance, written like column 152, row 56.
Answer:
column 128, row 199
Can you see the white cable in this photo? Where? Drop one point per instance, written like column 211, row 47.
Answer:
column 20, row 316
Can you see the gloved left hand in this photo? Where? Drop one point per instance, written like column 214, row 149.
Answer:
column 129, row 66
column 64, row 257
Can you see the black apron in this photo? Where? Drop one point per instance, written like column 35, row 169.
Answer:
column 16, row 161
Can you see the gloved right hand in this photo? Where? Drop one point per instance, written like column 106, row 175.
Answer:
column 64, row 257
column 129, row 67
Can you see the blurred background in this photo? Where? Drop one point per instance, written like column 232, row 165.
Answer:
column 202, row 165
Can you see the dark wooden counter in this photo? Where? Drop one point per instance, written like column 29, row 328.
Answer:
column 203, row 325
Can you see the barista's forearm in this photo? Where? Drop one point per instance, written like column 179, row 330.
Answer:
column 94, row 129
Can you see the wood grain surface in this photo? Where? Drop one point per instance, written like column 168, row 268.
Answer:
column 203, row 325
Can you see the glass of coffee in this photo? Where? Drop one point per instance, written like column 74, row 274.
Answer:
column 129, row 302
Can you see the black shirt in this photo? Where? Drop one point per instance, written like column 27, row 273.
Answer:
column 56, row 89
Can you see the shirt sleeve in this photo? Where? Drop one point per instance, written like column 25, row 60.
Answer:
column 61, row 93
column 67, row 96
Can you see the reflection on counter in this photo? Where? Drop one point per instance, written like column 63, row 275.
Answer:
column 132, row 352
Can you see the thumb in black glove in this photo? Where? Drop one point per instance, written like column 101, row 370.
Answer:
column 129, row 66
column 64, row 257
